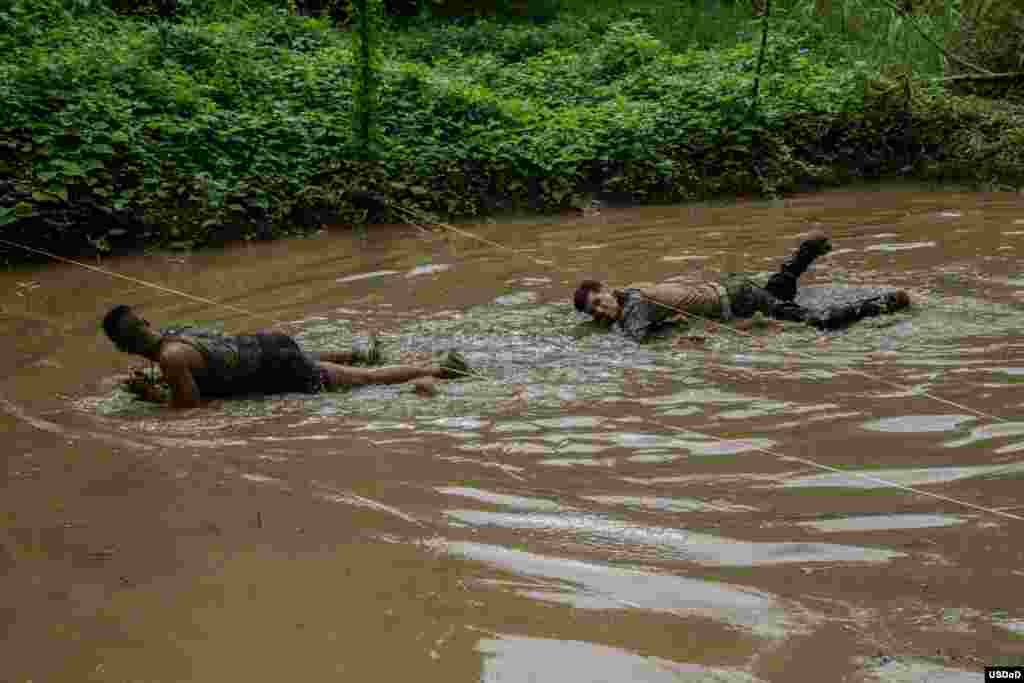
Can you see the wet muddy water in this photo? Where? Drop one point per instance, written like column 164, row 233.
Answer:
column 587, row 510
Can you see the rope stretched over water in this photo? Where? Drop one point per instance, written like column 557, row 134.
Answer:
column 849, row 473
column 144, row 283
column 780, row 456
column 551, row 265
column 186, row 295
column 716, row 324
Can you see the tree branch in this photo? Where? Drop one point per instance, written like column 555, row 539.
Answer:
column 913, row 22
column 760, row 57
column 982, row 77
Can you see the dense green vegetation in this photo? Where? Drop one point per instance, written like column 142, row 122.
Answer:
column 235, row 119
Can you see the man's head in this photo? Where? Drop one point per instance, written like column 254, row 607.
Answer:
column 129, row 332
column 593, row 298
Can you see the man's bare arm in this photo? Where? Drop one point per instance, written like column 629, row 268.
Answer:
column 176, row 368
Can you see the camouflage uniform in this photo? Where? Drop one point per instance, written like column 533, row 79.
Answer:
column 734, row 296
column 739, row 296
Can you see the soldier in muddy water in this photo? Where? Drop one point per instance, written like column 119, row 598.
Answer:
column 638, row 311
column 196, row 364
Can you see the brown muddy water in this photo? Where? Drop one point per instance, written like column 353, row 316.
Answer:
column 591, row 511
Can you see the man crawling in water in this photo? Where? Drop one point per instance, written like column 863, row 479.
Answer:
column 196, row 364
column 639, row 311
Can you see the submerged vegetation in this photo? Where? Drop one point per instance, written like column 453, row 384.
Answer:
column 200, row 121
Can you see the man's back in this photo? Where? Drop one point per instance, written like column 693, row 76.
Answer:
column 247, row 363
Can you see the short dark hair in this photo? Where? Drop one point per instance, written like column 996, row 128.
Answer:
column 582, row 295
column 123, row 335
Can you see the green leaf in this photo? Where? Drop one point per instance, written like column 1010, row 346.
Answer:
column 72, row 169
column 41, row 196
column 8, row 214
column 24, row 210
column 58, row 190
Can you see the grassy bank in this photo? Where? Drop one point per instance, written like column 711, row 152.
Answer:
column 216, row 126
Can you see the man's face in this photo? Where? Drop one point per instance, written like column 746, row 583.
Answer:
column 604, row 307
column 135, row 324
column 136, row 332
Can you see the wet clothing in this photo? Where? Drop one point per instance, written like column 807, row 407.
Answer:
column 747, row 297
column 735, row 296
column 739, row 296
column 262, row 363
column 641, row 315
column 707, row 299
column 833, row 307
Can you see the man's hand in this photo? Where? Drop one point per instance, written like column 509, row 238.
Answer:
column 146, row 387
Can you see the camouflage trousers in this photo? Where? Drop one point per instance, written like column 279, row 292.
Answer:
column 830, row 309
column 746, row 297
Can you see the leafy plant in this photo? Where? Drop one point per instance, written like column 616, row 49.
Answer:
column 234, row 120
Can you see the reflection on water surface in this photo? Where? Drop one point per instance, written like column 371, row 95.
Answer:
column 592, row 508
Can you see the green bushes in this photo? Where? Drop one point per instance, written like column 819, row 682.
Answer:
column 121, row 131
column 173, row 128
column 508, row 43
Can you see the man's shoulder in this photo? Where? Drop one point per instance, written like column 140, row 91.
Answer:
column 175, row 352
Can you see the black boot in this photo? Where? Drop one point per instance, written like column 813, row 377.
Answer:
column 782, row 285
column 838, row 316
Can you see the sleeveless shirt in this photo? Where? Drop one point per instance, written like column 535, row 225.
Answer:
column 262, row 363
